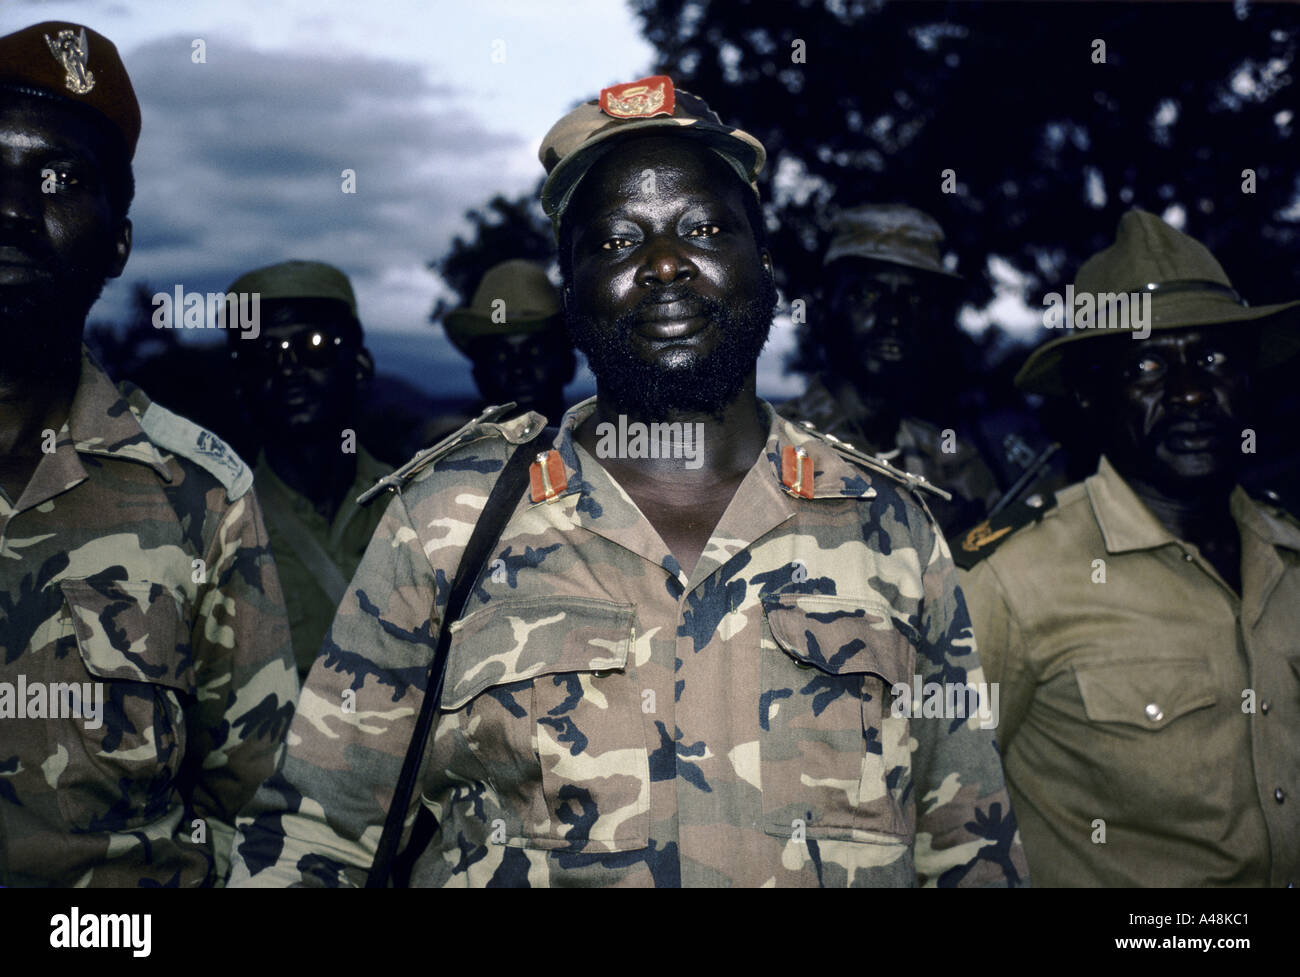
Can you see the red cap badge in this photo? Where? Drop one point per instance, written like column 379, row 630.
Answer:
column 639, row 99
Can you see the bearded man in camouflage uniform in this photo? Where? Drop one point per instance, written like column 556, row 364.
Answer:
column 675, row 668
column 146, row 677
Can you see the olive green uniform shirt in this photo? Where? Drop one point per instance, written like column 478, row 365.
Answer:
column 344, row 540
column 1143, row 702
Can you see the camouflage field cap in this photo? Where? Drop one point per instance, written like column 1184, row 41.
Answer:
column 513, row 297
column 298, row 280
column 896, row 233
column 579, row 139
column 1188, row 287
column 57, row 59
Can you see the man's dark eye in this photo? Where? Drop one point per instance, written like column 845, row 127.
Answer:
column 704, row 230
column 615, row 243
column 61, row 176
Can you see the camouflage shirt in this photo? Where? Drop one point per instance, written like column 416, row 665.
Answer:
column 134, row 572
column 608, row 720
column 919, row 448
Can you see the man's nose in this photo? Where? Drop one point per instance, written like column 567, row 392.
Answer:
column 1187, row 384
column 665, row 262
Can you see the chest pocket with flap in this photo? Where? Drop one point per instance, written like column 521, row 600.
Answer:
column 1152, row 733
column 827, row 743
column 133, row 648
column 548, row 703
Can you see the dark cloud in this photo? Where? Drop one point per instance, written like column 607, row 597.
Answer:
column 240, row 164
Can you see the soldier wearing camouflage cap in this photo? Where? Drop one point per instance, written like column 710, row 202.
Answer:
column 513, row 333
column 1143, row 624
column 301, row 379
column 146, row 677
column 676, row 664
column 885, row 340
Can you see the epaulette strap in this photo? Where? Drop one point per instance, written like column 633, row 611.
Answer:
column 183, row 437
column 427, row 456
column 876, row 464
column 985, row 537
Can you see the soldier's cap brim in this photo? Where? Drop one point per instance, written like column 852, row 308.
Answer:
column 464, row 325
column 847, row 254
column 741, row 151
column 1278, row 324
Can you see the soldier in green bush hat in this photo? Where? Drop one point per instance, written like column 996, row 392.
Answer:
column 513, row 333
column 1142, row 625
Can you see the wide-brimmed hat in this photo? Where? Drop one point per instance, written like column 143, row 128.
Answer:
column 895, row 233
column 575, row 143
column 1187, row 285
column 528, row 302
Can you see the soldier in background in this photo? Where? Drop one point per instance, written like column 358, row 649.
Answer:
column 301, row 380
column 513, row 333
column 146, row 676
column 667, row 672
column 1143, row 624
column 891, row 373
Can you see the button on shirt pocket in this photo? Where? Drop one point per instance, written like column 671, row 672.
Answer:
column 133, row 653
column 827, row 742
column 548, row 704
column 1150, row 723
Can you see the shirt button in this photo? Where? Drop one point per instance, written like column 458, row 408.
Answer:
column 1154, row 712
column 1263, row 707
column 1279, row 795
column 1188, row 557
column 1035, row 501
column 600, row 672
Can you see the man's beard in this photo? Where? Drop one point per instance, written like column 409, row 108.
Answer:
column 655, row 390
column 41, row 324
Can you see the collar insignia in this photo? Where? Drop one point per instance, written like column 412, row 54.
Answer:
column 546, row 477
column 797, row 472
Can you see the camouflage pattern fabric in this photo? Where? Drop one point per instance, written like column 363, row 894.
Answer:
column 609, row 721
column 962, row 472
column 100, row 583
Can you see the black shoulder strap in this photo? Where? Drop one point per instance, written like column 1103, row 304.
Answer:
column 501, row 503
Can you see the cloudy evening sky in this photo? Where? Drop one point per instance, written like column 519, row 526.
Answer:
column 240, row 158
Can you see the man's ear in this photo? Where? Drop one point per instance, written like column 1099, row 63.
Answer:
column 121, row 249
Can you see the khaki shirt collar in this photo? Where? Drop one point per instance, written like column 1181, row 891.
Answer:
column 1125, row 521
column 1127, row 524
